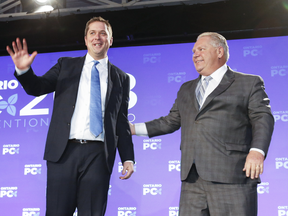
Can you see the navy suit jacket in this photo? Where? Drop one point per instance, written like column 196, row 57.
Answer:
column 63, row 78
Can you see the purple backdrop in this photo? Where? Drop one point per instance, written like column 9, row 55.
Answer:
column 157, row 73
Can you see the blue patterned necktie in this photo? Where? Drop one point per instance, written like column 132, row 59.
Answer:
column 96, row 127
column 201, row 90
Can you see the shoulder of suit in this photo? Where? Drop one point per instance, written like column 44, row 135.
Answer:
column 117, row 70
column 71, row 58
column 188, row 83
column 245, row 75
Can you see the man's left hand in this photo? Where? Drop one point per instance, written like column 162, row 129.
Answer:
column 128, row 169
column 254, row 164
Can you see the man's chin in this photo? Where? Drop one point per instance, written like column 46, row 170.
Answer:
column 199, row 70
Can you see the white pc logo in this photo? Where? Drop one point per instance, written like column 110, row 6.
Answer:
column 173, row 213
column 153, row 146
column 262, row 189
column 280, row 164
column 9, row 193
column 152, row 191
column 283, row 117
column 282, row 213
column 281, row 72
column 151, row 59
column 253, row 52
column 174, row 167
column 11, row 151
column 33, row 171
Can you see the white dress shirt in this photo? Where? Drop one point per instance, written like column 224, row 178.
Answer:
column 141, row 129
column 80, row 122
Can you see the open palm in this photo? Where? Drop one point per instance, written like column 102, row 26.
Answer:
column 20, row 56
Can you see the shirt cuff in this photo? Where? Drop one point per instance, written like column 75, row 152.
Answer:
column 129, row 161
column 141, row 129
column 20, row 72
column 258, row 150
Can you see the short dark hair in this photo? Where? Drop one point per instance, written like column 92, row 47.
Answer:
column 98, row 19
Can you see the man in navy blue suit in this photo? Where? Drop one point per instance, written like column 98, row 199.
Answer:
column 79, row 163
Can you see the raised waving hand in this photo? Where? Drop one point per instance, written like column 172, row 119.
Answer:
column 20, row 56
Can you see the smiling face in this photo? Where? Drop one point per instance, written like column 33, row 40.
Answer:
column 206, row 57
column 98, row 40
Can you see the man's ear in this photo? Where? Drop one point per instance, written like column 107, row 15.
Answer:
column 111, row 41
column 220, row 52
column 85, row 39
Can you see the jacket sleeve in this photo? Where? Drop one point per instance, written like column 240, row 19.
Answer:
column 260, row 116
column 125, row 145
column 166, row 124
column 40, row 85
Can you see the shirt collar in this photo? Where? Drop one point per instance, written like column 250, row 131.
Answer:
column 218, row 74
column 89, row 59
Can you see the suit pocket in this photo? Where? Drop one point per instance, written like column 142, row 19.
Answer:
column 237, row 147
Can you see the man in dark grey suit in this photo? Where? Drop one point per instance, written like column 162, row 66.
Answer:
column 226, row 128
column 80, row 161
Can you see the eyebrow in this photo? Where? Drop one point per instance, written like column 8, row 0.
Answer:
column 102, row 30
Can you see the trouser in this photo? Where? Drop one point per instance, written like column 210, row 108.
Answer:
column 80, row 179
column 205, row 198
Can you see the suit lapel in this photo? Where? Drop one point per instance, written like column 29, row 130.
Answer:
column 110, row 83
column 193, row 94
column 226, row 81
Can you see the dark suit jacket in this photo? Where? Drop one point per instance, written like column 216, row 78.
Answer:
column 63, row 78
column 235, row 117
